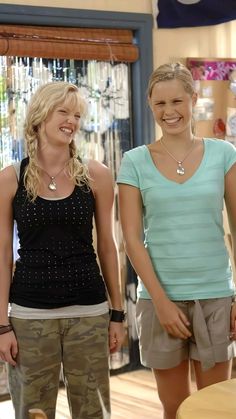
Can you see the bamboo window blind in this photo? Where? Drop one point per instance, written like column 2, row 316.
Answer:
column 68, row 43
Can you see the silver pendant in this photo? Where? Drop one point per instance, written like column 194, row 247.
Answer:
column 180, row 170
column 52, row 185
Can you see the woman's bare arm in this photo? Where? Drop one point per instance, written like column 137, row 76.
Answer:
column 8, row 186
column 103, row 189
column 170, row 316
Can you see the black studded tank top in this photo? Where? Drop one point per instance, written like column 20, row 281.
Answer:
column 57, row 264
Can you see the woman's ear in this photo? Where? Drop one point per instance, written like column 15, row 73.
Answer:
column 194, row 98
column 149, row 102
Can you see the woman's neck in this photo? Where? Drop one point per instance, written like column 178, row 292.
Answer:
column 181, row 142
column 52, row 160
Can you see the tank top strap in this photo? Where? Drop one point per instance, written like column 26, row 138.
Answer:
column 23, row 165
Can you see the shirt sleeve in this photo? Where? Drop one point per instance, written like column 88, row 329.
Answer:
column 128, row 173
column 230, row 155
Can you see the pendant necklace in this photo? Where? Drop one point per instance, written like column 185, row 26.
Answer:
column 52, row 184
column 180, row 169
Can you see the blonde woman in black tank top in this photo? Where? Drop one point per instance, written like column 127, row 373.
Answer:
column 59, row 296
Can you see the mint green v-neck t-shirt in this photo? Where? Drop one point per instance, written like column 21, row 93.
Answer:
column 183, row 223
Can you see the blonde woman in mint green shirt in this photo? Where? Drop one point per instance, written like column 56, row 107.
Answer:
column 172, row 192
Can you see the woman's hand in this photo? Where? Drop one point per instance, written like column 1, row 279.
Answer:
column 172, row 319
column 8, row 348
column 116, row 336
column 233, row 322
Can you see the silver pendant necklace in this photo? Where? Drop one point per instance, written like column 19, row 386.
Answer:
column 180, row 169
column 52, row 184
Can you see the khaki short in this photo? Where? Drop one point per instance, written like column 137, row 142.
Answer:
column 210, row 341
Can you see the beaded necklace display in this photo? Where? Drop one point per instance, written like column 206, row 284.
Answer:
column 180, row 169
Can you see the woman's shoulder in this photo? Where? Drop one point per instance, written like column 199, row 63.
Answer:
column 8, row 180
column 97, row 168
column 13, row 170
column 7, row 173
column 219, row 144
column 100, row 175
column 220, row 150
column 136, row 154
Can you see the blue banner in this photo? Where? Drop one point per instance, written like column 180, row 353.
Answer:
column 189, row 13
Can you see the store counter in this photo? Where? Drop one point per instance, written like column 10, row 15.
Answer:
column 217, row 401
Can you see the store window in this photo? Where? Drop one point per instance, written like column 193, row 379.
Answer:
column 97, row 60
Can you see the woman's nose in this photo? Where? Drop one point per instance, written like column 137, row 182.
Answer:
column 168, row 110
column 71, row 119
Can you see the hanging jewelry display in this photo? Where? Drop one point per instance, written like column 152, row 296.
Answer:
column 103, row 84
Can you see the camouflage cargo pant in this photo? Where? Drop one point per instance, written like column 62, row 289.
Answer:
column 80, row 345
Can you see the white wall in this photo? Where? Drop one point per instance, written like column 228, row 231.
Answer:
column 217, row 41
column 132, row 6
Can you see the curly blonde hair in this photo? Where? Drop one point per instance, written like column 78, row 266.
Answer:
column 41, row 105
